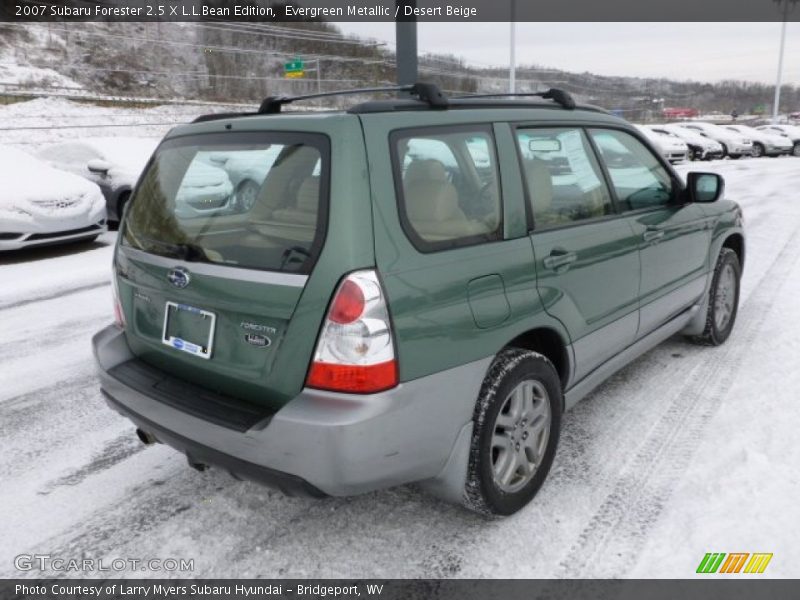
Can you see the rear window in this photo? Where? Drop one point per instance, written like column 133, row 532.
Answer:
column 250, row 200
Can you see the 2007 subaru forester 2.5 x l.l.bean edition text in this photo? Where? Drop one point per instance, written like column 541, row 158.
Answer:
column 414, row 289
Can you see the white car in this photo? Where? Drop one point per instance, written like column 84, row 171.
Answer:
column 671, row 147
column 112, row 163
column 247, row 170
column 734, row 144
column 41, row 205
column 765, row 142
column 700, row 146
column 204, row 190
column 792, row 132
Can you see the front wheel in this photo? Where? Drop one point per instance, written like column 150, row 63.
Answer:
column 758, row 150
column 516, row 427
column 723, row 300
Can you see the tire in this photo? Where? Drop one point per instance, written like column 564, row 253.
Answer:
column 724, row 150
column 734, row 156
column 246, row 195
column 121, row 202
column 758, row 150
column 723, row 299
column 796, row 149
column 526, row 383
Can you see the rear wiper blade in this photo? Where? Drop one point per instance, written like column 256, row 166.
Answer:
column 187, row 252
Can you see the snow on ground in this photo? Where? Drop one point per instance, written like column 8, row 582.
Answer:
column 686, row 451
column 33, row 124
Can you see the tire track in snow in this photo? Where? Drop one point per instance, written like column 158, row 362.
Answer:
column 616, row 532
column 58, row 293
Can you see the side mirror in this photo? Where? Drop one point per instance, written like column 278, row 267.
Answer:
column 704, row 187
column 98, row 166
column 219, row 159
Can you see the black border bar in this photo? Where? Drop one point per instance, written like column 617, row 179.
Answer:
column 453, row 11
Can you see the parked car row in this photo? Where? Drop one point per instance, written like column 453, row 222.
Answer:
column 41, row 205
column 697, row 140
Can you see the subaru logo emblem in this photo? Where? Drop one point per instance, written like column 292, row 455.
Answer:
column 179, row 277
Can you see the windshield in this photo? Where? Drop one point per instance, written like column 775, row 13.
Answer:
column 253, row 200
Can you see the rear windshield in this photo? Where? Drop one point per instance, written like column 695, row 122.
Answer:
column 251, row 200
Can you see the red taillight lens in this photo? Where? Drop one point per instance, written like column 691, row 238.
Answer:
column 353, row 378
column 355, row 349
column 348, row 304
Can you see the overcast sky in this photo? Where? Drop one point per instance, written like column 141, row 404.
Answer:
column 696, row 51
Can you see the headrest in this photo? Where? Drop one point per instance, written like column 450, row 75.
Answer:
column 425, row 170
column 308, row 195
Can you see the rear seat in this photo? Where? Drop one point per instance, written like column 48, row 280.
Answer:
column 432, row 203
column 304, row 211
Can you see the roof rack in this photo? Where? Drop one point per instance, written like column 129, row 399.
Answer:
column 559, row 96
column 425, row 92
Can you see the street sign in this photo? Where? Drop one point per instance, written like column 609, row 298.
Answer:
column 294, row 69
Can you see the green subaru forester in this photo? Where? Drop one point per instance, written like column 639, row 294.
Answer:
column 414, row 289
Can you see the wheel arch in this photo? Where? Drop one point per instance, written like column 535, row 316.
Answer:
column 549, row 343
column 735, row 241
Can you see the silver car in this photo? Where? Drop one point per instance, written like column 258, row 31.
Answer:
column 734, row 144
column 765, row 143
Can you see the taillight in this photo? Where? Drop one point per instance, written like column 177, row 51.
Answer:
column 355, row 349
column 119, row 316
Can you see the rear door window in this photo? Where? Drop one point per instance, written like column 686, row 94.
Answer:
column 244, row 200
column 448, row 186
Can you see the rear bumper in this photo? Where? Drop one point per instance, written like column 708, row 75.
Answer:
column 19, row 240
column 320, row 442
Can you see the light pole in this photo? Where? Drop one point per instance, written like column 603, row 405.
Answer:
column 512, row 69
column 777, row 102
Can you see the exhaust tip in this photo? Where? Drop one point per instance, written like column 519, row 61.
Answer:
column 148, row 439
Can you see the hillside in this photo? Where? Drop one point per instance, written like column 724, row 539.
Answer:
column 239, row 62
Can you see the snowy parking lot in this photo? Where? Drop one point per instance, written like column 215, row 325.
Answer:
column 686, row 451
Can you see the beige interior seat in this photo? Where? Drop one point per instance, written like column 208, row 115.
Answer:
column 304, row 210
column 540, row 189
column 432, row 203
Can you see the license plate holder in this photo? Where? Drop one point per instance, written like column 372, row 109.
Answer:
column 189, row 329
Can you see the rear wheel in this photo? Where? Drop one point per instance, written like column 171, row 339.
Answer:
column 796, row 149
column 758, row 150
column 516, row 427
column 246, row 195
column 723, row 300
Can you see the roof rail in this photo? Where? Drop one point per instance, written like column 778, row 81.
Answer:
column 559, row 96
column 425, row 92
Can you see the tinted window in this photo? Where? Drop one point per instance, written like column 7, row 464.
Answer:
column 448, row 187
column 638, row 177
column 565, row 183
column 245, row 200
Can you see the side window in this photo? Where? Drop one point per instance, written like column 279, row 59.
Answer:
column 448, row 186
column 638, row 177
column 565, row 183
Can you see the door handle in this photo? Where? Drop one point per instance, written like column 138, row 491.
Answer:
column 652, row 234
column 559, row 260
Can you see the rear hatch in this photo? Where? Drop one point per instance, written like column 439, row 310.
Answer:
column 211, row 285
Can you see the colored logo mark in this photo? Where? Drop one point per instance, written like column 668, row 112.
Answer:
column 735, row 562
